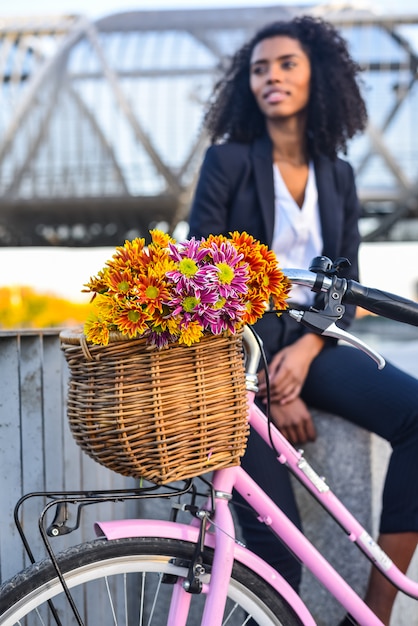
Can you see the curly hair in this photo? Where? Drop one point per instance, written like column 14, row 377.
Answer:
column 336, row 109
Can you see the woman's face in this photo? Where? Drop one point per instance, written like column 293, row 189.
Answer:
column 280, row 74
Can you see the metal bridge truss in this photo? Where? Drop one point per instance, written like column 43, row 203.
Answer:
column 100, row 123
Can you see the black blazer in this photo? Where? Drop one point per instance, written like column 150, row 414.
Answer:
column 235, row 191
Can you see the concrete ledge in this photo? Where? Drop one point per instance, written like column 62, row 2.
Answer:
column 342, row 454
column 354, row 463
column 405, row 612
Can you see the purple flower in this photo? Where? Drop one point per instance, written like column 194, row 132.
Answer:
column 193, row 272
column 228, row 311
column 232, row 275
column 160, row 339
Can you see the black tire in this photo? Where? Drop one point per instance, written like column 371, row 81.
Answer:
column 101, row 573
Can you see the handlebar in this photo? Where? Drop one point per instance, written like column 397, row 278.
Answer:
column 338, row 291
column 376, row 301
column 382, row 303
column 307, row 278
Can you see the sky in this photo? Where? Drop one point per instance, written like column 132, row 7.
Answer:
column 99, row 8
column 44, row 268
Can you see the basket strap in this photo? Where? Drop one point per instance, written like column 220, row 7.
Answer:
column 85, row 348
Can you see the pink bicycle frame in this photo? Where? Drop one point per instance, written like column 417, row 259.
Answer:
column 226, row 549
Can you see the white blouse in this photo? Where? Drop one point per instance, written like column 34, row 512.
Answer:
column 297, row 235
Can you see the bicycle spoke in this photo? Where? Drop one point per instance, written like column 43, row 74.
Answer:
column 138, row 577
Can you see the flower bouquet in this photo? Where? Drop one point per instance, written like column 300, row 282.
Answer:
column 176, row 292
column 157, row 381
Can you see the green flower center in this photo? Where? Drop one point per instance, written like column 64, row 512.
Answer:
column 189, row 303
column 219, row 304
column 123, row 286
column 226, row 273
column 152, row 292
column 188, row 267
column 133, row 316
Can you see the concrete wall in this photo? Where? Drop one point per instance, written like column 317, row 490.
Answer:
column 37, row 451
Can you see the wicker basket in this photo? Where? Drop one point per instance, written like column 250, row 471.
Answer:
column 163, row 415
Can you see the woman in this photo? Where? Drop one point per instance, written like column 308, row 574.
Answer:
column 288, row 103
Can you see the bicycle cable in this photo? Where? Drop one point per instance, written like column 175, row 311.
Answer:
column 264, row 368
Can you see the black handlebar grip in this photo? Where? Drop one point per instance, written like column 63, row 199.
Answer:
column 382, row 303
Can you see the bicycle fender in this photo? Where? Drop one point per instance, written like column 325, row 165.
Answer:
column 127, row 528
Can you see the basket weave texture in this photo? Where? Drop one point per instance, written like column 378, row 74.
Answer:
column 163, row 415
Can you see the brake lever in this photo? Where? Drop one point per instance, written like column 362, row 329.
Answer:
column 325, row 326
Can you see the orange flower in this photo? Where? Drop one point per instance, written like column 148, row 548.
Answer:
column 279, row 301
column 120, row 282
column 130, row 256
column 160, row 239
column 97, row 284
column 217, row 239
column 254, row 308
column 153, row 294
column 276, row 282
column 131, row 320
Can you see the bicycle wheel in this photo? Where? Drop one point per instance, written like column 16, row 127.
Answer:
column 129, row 581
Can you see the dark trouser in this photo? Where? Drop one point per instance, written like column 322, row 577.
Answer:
column 344, row 381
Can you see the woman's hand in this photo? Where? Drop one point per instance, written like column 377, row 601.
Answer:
column 294, row 421
column 289, row 368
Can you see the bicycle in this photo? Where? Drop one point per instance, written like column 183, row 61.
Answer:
column 170, row 572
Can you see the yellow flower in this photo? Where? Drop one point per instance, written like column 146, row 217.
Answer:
column 162, row 322
column 105, row 306
column 158, row 262
column 217, row 239
column 130, row 257
column 191, row 333
column 96, row 330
